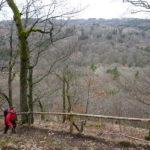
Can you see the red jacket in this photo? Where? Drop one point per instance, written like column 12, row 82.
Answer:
column 11, row 116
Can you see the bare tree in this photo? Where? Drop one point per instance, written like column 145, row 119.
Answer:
column 13, row 54
column 27, row 21
column 33, row 81
column 9, row 67
column 140, row 88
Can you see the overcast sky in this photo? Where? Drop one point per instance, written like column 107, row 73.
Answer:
column 94, row 9
column 107, row 9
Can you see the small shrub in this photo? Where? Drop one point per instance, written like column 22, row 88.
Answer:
column 137, row 74
column 147, row 49
column 147, row 137
column 120, row 41
column 113, row 91
column 114, row 32
column 93, row 67
column 19, row 122
column 93, row 125
column 98, row 36
column 114, row 72
column 83, row 37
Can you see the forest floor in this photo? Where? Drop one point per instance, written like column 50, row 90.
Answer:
column 55, row 136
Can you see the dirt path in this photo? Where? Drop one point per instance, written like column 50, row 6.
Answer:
column 49, row 138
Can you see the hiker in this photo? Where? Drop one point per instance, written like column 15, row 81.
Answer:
column 10, row 119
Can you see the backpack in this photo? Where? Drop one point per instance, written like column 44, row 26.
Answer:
column 5, row 112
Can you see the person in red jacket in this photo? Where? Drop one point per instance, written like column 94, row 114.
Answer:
column 10, row 120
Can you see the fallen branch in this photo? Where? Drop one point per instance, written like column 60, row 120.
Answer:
column 89, row 116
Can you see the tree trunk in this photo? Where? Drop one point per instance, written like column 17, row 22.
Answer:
column 68, row 96
column 10, row 87
column 10, row 67
column 30, row 98
column 42, row 110
column 23, row 43
column 23, row 77
column 64, row 99
column 69, row 105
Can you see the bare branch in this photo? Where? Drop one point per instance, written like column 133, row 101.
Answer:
column 2, row 4
column 50, row 69
column 4, row 96
column 139, row 3
column 32, row 29
column 138, row 11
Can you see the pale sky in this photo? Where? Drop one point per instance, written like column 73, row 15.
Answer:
column 107, row 9
column 95, row 9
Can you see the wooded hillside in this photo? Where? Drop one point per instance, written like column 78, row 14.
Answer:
column 107, row 66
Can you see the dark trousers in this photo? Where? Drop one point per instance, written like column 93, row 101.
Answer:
column 7, row 127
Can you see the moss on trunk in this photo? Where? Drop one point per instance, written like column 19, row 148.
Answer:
column 23, row 44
